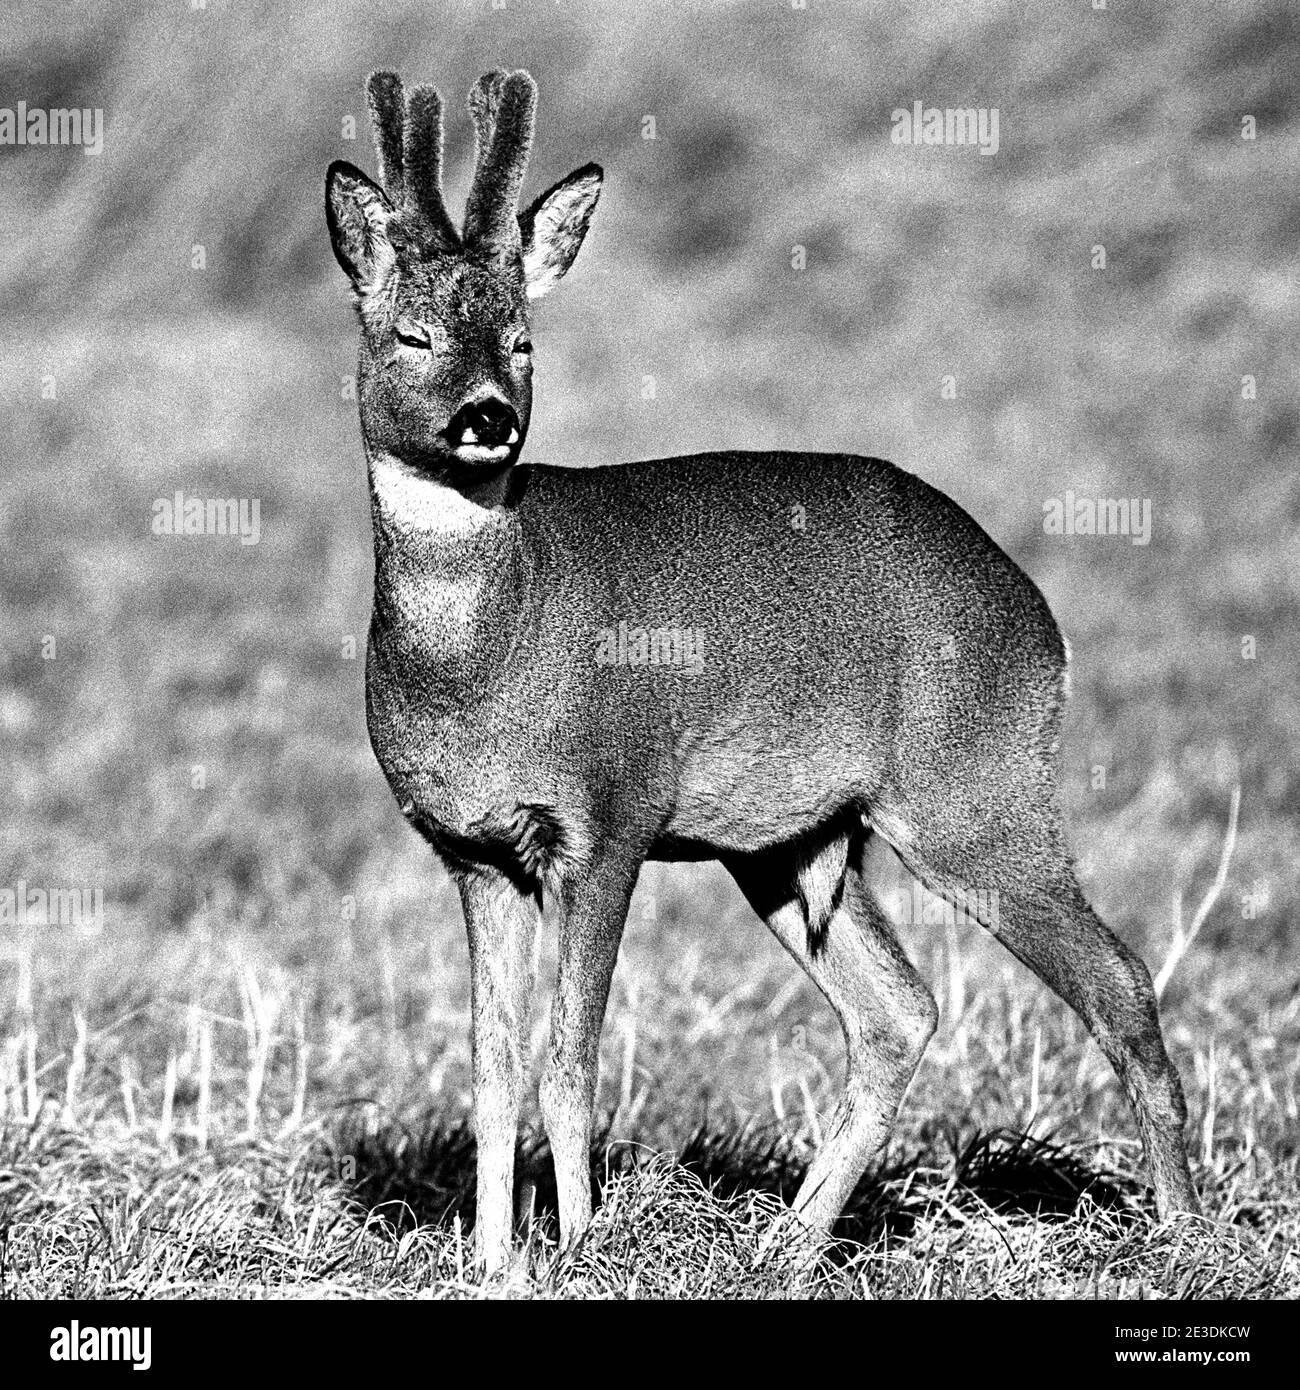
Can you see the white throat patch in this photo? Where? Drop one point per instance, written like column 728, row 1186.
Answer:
column 410, row 500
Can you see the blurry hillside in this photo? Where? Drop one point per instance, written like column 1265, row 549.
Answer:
column 1119, row 128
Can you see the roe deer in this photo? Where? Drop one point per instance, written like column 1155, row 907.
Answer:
column 886, row 669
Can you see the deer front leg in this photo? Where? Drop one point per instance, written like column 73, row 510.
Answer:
column 593, row 915
column 502, row 925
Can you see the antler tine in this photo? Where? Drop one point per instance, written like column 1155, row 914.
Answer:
column 387, row 114
column 503, row 105
column 422, row 156
column 483, row 98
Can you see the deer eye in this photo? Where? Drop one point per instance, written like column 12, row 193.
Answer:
column 411, row 337
column 523, row 344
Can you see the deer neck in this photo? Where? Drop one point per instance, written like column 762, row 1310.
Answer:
column 452, row 580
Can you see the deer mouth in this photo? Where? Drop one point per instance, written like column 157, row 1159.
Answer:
column 478, row 437
column 484, row 453
column 484, row 431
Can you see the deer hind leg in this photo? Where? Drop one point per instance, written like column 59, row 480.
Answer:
column 884, row 1007
column 1026, row 894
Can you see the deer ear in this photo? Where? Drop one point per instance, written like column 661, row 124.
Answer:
column 357, row 211
column 552, row 229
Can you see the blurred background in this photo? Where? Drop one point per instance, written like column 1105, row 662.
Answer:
column 182, row 717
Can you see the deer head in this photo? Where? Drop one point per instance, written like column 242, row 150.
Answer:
column 445, row 378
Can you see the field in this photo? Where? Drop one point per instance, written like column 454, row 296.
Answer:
column 251, row 1078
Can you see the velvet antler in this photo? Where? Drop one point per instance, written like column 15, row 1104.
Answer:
column 502, row 105
column 387, row 115
column 408, row 143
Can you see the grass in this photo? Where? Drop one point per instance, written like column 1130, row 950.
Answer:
column 254, row 1080
column 133, row 1217
column 217, row 1143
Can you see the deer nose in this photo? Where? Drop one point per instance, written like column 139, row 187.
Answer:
column 489, row 423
